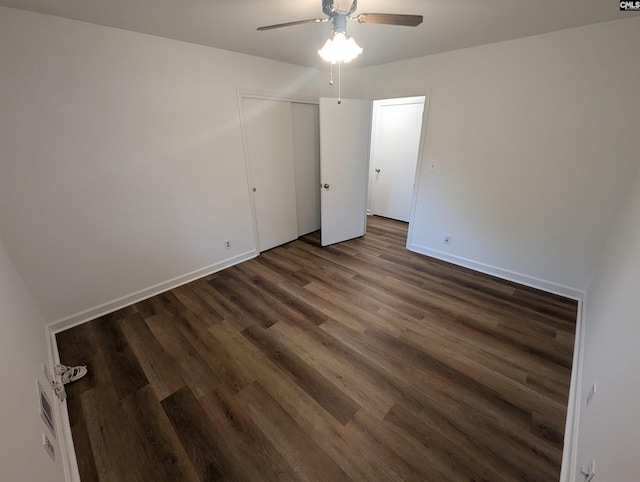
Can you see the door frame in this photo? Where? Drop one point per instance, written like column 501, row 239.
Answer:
column 419, row 162
column 421, row 149
column 376, row 104
column 261, row 95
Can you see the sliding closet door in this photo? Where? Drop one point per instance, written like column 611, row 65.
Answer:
column 268, row 131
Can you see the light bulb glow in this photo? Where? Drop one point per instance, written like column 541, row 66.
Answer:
column 340, row 48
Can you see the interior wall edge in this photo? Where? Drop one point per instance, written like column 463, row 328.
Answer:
column 568, row 470
column 521, row 278
column 113, row 305
column 67, row 448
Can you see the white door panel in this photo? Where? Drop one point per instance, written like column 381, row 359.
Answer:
column 344, row 165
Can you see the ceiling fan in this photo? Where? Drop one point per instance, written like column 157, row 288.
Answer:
column 339, row 12
column 340, row 47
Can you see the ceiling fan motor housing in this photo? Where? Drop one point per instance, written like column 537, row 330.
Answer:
column 339, row 24
column 341, row 7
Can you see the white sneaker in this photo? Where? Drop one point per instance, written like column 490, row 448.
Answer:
column 70, row 374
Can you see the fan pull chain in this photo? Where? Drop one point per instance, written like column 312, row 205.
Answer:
column 339, row 83
column 339, row 80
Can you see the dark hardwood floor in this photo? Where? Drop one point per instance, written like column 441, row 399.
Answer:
column 360, row 361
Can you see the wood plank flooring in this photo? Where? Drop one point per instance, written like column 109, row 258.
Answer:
column 360, row 361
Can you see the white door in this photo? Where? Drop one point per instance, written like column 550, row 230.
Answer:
column 397, row 124
column 344, row 166
column 269, row 142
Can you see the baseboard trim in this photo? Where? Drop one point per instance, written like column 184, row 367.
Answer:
column 111, row 306
column 523, row 279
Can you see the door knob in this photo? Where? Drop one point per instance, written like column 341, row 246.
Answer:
column 377, row 170
column 326, row 186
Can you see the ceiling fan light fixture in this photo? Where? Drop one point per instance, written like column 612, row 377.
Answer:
column 340, row 48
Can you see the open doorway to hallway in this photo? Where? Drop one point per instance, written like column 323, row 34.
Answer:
column 395, row 142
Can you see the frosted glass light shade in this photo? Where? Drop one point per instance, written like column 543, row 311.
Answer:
column 340, row 49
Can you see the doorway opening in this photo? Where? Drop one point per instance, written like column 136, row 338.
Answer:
column 396, row 130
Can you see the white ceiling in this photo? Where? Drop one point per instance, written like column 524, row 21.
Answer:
column 231, row 24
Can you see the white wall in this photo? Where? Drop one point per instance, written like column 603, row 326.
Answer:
column 23, row 348
column 609, row 427
column 535, row 139
column 121, row 163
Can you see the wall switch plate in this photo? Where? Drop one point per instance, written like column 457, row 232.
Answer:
column 45, row 408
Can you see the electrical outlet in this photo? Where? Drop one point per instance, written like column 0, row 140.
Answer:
column 227, row 244
column 447, row 239
column 48, row 446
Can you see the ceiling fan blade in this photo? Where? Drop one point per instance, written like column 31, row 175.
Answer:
column 390, row 19
column 290, row 24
